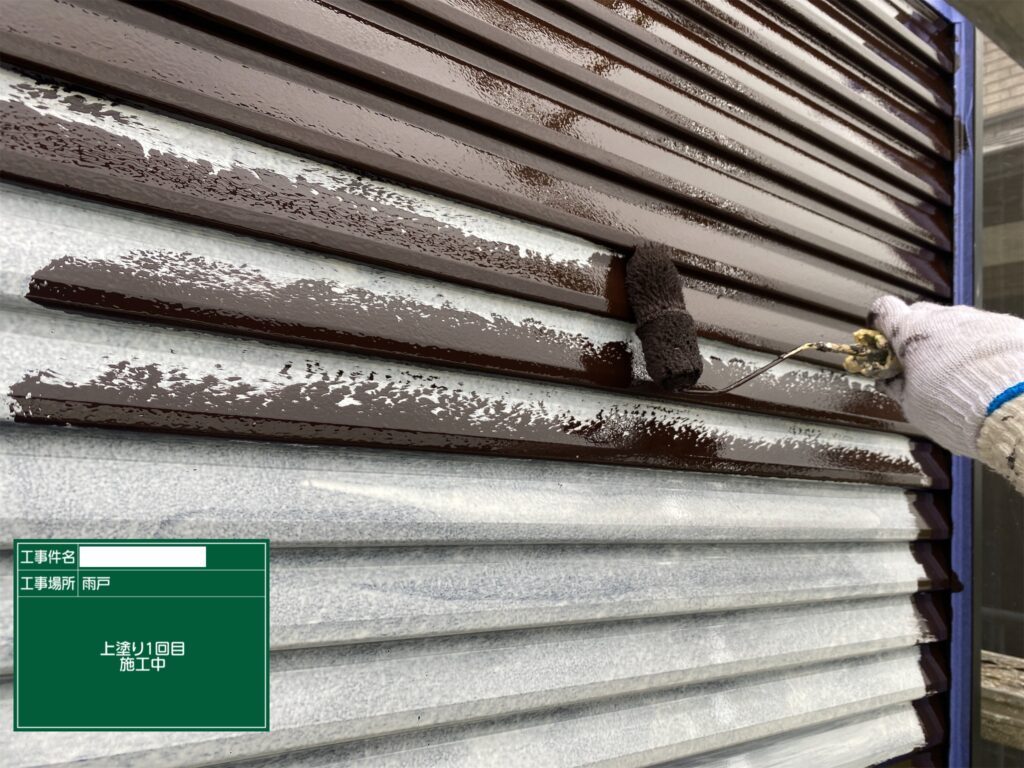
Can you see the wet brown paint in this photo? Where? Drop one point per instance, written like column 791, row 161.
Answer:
column 932, row 614
column 758, row 34
column 935, row 513
column 931, row 713
column 835, row 23
column 929, row 42
column 450, row 158
column 86, row 160
column 541, row 39
column 182, row 288
column 934, row 557
column 189, row 289
column 430, row 416
column 438, row 70
column 669, row 35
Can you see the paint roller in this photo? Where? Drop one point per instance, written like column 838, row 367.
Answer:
column 669, row 336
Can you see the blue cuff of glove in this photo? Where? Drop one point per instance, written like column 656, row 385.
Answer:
column 1004, row 397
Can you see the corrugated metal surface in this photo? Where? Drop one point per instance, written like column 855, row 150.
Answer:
column 349, row 276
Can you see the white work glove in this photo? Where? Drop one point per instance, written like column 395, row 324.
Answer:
column 956, row 360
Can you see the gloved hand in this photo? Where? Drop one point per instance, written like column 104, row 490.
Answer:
column 956, row 360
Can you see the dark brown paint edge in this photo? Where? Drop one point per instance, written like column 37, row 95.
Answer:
column 308, row 401
column 178, row 288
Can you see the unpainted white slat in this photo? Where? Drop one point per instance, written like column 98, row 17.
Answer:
column 75, row 482
column 654, row 726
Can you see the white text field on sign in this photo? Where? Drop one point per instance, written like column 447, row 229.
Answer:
column 141, row 557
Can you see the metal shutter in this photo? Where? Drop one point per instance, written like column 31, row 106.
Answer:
column 349, row 275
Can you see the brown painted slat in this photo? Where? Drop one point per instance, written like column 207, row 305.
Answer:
column 287, row 394
column 761, row 34
column 551, row 40
column 930, row 41
column 934, row 710
column 120, row 263
column 932, row 614
column 411, row 144
column 921, row 13
column 448, row 81
column 689, row 45
column 260, row 201
column 187, row 288
column 934, row 508
column 833, row 21
column 54, row 155
column 598, row 66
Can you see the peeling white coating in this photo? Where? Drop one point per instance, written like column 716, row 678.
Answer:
column 158, row 134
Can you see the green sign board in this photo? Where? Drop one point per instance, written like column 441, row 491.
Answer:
column 154, row 635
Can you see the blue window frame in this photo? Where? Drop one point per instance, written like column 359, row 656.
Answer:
column 962, row 660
